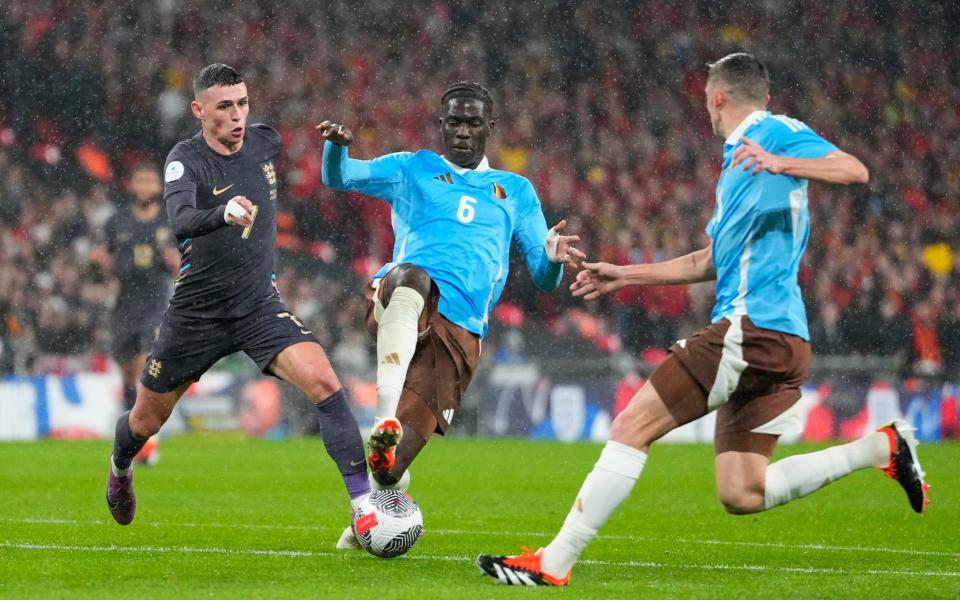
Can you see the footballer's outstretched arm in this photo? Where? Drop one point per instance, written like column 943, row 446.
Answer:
column 382, row 177
column 545, row 261
column 598, row 279
column 338, row 168
column 834, row 167
column 544, row 251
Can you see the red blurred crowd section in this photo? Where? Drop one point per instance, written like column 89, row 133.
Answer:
column 599, row 104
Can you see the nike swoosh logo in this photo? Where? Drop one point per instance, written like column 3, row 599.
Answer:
column 356, row 463
column 217, row 192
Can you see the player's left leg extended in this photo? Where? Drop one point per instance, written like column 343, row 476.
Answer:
column 747, row 484
column 764, row 405
column 282, row 346
column 305, row 365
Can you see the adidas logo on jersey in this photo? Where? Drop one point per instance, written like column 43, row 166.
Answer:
column 446, row 178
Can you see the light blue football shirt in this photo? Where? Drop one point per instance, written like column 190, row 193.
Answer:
column 760, row 227
column 454, row 223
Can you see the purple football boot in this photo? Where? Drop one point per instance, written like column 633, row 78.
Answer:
column 121, row 500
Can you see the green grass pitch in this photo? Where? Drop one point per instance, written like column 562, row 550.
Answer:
column 226, row 516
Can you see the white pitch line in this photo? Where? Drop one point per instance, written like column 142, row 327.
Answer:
column 821, row 547
column 170, row 550
column 514, row 534
column 424, row 557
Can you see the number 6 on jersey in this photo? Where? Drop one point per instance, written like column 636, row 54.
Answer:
column 466, row 211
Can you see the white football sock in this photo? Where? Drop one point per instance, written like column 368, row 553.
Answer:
column 797, row 476
column 119, row 472
column 396, row 343
column 604, row 489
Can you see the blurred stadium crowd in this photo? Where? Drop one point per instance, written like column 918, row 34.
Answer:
column 599, row 104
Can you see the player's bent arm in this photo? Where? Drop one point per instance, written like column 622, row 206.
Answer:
column 341, row 172
column 689, row 268
column 836, row 167
column 189, row 221
column 382, row 177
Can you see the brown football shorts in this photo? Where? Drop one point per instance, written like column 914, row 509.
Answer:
column 440, row 371
column 750, row 376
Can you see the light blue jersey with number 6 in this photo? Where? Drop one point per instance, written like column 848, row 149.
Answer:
column 454, row 223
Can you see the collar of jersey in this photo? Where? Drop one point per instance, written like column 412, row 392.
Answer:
column 227, row 157
column 750, row 120
column 483, row 166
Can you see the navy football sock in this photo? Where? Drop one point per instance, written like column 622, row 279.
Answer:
column 125, row 445
column 341, row 437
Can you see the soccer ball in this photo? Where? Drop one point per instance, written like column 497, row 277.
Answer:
column 388, row 523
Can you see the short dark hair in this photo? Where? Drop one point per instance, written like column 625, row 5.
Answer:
column 468, row 89
column 215, row 74
column 745, row 76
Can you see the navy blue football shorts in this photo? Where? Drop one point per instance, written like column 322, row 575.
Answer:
column 186, row 348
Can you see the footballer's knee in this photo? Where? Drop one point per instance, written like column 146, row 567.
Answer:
column 626, row 430
column 642, row 422
column 740, row 493
column 409, row 276
column 741, row 501
column 321, row 386
column 741, row 481
column 144, row 424
column 152, row 409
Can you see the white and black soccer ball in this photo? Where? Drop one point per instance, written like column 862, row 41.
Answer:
column 388, row 523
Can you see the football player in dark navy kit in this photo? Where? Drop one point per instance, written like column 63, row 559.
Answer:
column 220, row 189
column 139, row 250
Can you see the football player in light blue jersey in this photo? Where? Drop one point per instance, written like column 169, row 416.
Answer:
column 454, row 219
column 749, row 363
